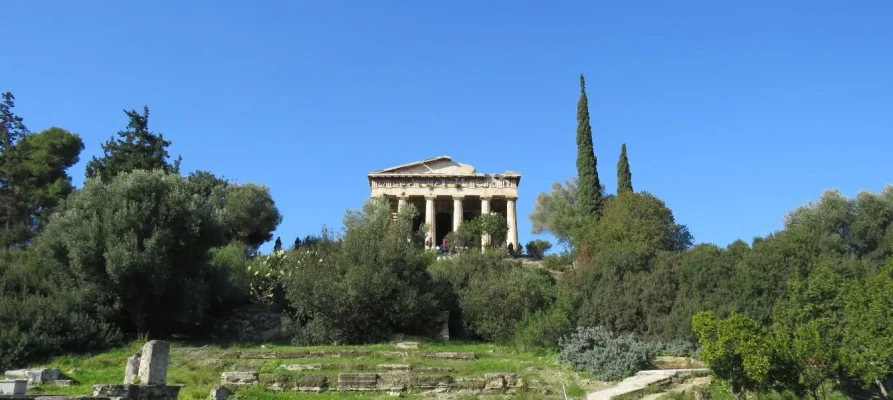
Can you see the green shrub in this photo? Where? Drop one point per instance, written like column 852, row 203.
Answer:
column 607, row 356
column 537, row 248
column 228, row 275
column 678, row 348
column 543, row 329
column 364, row 288
column 558, row 262
column 265, row 274
column 490, row 294
column 43, row 314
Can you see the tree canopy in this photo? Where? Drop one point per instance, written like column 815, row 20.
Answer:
column 135, row 148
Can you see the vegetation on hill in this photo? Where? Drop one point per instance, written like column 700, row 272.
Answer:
column 142, row 250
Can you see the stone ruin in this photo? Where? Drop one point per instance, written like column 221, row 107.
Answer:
column 145, row 378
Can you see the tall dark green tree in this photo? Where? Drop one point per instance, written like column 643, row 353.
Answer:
column 136, row 148
column 589, row 188
column 624, row 176
column 33, row 178
column 36, row 172
column 11, row 130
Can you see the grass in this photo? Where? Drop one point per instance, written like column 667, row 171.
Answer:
column 198, row 368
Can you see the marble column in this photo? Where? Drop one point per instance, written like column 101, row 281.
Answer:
column 457, row 212
column 512, row 221
column 401, row 203
column 485, row 209
column 429, row 220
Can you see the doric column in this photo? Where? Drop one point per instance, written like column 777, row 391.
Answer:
column 457, row 212
column 401, row 203
column 485, row 209
column 512, row 221
column 429, row 220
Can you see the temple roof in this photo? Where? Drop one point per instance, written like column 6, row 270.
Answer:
column 441, row 165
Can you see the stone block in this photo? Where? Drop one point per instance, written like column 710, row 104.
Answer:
column 514, row 381
column 244, row 368
column 312, row 383
column 302, row 383
column 351, row 353
column 13, row 386
column 137, row 392
column 292, row 354
column 35, row 376
column 394, row 354
column 451, row 355
column 17, row 374
column 394, row 381
column 494, row 381
column 132, row 369
column 236, row 378
column 63, row 382
column 304, row 367
column 424, row 368
column 407, row 345
column 258, row 355
column 393, row 367
column 220, row 393
column 357, row 382
column 427, row 382
column 468, row 384
column 153, row 362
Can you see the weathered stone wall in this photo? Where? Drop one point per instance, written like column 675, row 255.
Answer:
column 257, row 323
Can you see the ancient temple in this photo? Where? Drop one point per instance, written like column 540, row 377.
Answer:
column 446, row 193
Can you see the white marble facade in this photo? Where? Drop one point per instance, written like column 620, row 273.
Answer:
column 446, row 193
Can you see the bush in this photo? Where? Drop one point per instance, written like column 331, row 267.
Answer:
column 229, row 276
column 543, row 329
column 490, row 294
column 607, row 356
column 364, row 288
column 537, row 248
column 43, row 314
column 265, row 274
column 679, row 348
column 559, row 263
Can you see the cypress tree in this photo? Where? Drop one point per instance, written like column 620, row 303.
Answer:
column 278, row 245
column 624, row 176
column 589, row 189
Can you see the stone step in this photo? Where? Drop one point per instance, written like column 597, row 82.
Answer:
column 262, row 355
column 294, row 354
column 639, row 382
column 402, row 381
column 362, row 367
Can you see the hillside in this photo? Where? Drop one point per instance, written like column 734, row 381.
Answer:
column 199, row 368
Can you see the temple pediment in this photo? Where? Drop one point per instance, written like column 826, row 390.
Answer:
column 443, row 165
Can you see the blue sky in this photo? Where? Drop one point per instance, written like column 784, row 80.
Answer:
column 734, row 114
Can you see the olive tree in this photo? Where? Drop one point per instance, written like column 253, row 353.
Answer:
column 139, row 243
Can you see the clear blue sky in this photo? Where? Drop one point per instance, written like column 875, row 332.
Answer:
column 734, row 114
